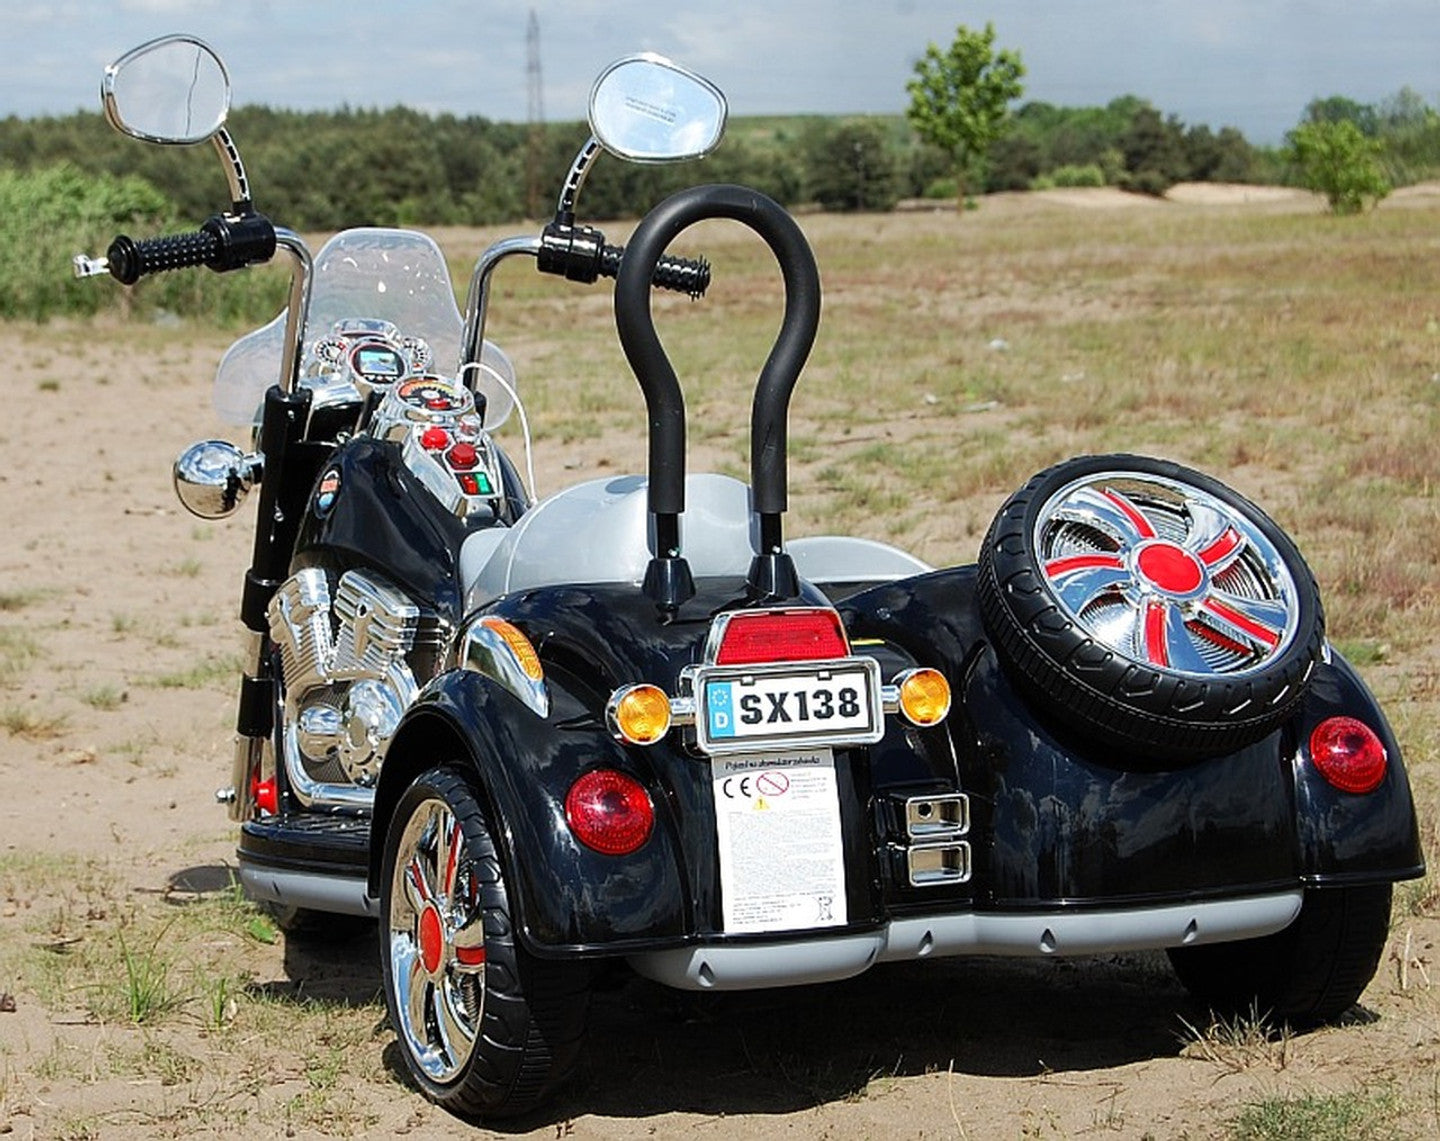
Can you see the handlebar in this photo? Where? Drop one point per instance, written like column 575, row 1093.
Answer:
column 130, row 260
column 223, row 243
column 580, row 253
column 682, row 275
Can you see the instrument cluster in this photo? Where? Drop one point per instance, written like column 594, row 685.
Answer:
column 435, row 421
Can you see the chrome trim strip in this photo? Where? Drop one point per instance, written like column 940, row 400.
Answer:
column 1040, row 934
column 483, row 650
column 1052, row 934
column 757, row 965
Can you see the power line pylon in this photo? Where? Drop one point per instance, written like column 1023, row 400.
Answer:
column 535, row 110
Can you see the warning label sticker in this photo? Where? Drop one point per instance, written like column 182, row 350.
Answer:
column 777, row 818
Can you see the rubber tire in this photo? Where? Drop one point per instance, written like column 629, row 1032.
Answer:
column 533, row 1019
column 1150, row 714
column 1308, row 974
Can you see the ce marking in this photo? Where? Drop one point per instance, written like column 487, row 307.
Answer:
column 743, row 783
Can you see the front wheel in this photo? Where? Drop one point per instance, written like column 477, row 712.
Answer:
column 1309, row 973
column 485, row 1028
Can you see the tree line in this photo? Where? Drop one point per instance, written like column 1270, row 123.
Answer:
column 322, row 170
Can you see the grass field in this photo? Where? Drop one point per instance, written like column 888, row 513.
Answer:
column 1293, row 355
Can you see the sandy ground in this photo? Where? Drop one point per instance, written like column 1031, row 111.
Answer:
column 117, row 731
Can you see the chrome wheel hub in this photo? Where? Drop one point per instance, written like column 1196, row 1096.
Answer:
column 436, row 942
column 1166, row 574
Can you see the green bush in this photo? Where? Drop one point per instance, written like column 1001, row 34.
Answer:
column 46, row 217
column 849, row 165
column 1337, row 160
column 1089, row 174
column 50, row 214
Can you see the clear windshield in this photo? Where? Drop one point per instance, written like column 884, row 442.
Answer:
column 398, row 276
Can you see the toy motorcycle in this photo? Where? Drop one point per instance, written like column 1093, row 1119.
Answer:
column 634, row 722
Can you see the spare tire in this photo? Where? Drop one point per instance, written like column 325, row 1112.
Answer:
column 1149, row 606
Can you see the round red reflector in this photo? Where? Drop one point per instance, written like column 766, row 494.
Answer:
column 1348, row 754
column 266, row 795
column 610, row 812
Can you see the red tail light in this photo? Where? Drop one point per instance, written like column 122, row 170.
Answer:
column 610, row 812
column 1348, row 754
column 750, row 637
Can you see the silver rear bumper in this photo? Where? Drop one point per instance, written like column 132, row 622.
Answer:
column 1041, row 934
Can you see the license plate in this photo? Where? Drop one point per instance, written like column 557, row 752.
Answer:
column 747, row 707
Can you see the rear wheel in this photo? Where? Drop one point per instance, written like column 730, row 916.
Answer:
column 1309, row 973
column 485, row 1027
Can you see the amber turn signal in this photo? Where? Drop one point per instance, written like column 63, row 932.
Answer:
column 519, row 645
column 639, row 714
column 924, row 696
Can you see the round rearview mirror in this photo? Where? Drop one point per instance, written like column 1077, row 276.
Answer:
column 172, row 90
column 646, row 109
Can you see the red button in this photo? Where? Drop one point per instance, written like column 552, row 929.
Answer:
column 434, row 439
column 462, row 456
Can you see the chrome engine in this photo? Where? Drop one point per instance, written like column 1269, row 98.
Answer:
column 350, row 666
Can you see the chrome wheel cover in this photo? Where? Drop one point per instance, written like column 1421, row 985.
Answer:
column 1166, row 574
column 436, row 942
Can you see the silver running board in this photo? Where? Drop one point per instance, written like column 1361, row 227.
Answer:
column 342, row 895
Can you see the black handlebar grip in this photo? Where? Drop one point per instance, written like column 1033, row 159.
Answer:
column 131, row 260
column 683, row 275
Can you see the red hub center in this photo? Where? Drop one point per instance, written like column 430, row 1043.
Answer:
column 430, row 938
column 1170, row 568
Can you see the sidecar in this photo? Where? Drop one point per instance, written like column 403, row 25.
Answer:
column 667, row 736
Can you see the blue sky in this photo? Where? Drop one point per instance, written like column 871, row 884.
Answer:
column 1248, row 63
